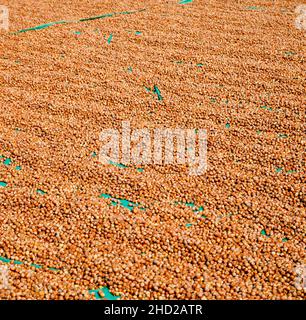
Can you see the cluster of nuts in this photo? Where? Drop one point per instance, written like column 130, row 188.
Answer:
column 235, row 232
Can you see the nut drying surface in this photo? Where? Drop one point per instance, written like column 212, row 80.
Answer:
column 234, row 68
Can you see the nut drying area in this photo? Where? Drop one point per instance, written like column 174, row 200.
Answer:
column 73, row 228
